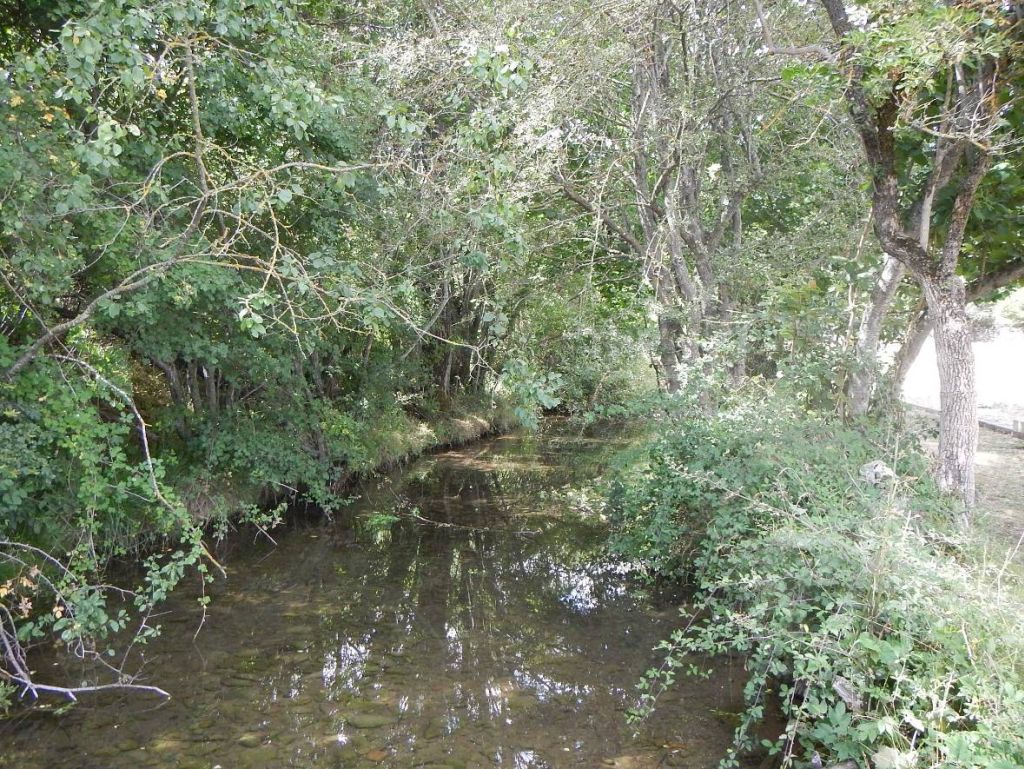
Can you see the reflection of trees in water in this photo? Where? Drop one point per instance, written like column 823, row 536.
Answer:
column 490, row 625
column 483, row 607
column 464, row 498
column 490, row 622
column 475, row 611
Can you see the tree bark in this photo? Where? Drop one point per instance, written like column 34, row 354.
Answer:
column 958, row 422
column 738, row 370
column 192, row 380
column 212, row 394
column 865, row 370
column 170, row 372
column 668, row 331
column 979, row 289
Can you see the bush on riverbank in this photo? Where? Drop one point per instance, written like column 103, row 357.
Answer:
column 885, row 634
column 230, row 475
column 255, row 458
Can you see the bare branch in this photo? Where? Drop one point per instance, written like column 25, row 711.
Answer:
column 610, row 224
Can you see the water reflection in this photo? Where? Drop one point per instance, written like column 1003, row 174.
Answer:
column 487, row 630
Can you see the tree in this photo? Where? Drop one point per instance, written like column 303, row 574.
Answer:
column 994, row 247
column 994, row 243
column 927, row 85
column 663, row 150
column 153, row 165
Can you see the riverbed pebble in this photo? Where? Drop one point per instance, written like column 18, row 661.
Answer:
column 250, row 740
column 369, row 720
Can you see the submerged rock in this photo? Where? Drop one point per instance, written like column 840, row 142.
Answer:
column 636, row 761
column 369, row 720
column 165, row 744
column 433, row 730
column 250, row 740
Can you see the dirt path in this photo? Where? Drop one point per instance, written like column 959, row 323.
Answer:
column 1000, row 479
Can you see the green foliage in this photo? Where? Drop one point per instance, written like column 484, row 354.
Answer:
column 7, row 692
column 252, row 249
column 530, row 390
column 72, row 467
column 912, row 45
column 180, row 208
column 910, row 55
column 861, row 608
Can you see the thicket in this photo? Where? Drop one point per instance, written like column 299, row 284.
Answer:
column 883, row 631
column 226, row 278
column 251, row 248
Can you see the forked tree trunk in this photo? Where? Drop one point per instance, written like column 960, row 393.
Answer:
column 917, row 335
column 865, row 371
column 958, row 425
column 959, row 160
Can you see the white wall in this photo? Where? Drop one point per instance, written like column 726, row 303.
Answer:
column 1000, row 374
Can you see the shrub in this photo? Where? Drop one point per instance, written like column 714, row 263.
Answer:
column 881, row 632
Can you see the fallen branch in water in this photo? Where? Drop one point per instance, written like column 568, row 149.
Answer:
column 72, row 692
column 14, row 667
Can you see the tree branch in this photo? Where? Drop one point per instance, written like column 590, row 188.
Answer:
column 984, row 286
column 610, row 224
column 958, row 218
column 136, row 280
column 802, row 50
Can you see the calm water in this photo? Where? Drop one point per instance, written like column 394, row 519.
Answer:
column 494, row 633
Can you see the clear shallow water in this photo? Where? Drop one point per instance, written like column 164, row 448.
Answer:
column 495, row 635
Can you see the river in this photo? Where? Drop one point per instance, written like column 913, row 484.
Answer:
column 486, row 628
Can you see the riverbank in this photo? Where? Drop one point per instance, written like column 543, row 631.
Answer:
column 887, row 635
column 220, row 498
column 484, row 627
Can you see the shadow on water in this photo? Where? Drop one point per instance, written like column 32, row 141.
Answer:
column 486, row 628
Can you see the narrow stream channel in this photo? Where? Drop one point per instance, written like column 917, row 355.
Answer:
column 496, row 635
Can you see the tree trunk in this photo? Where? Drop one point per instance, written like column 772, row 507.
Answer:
column 212, row 394
column 667, row 332
column 192, row 379
column 738, row 370
column 916, row 336
column 958, row 426
column 865, row 369
column 170, row 372
column 958, row 164
column 446, row 377
column 982, row 287
column 316, row 373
